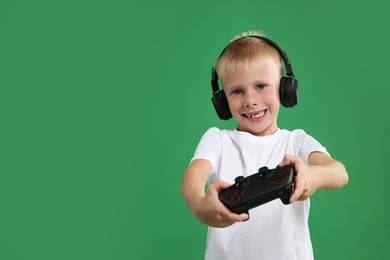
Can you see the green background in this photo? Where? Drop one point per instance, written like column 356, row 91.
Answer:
column 102, row 104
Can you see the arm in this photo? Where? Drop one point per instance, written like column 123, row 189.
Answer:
column 323, row 172
column 206, row 206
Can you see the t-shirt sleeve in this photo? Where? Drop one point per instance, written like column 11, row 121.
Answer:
column 209, row 148
column 305, row 144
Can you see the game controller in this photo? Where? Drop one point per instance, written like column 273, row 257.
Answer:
column 259, row 188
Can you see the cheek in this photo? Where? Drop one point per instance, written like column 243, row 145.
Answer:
column 271, row 98
column 234, row 104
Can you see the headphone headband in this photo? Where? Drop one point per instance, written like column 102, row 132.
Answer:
column 283, row 55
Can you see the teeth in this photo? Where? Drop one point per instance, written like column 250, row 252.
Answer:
column 260, row 114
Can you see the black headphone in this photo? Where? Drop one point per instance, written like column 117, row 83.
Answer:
column 288, row 90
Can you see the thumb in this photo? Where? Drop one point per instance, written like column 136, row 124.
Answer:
column 221, row 185
column 244, row 217
column 287, row 160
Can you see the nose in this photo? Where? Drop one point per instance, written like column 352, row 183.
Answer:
column 250, row 99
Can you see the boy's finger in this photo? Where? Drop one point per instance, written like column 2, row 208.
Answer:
column 287, row 160
column 223, row 185
column 238, row 218
column 244, row 217
column 297, row 191
column 219, row 185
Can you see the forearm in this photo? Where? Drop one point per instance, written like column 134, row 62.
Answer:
column 194, row 182
column 331, row 174
column 192, row 187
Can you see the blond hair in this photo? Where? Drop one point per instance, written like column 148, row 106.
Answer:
column 245, row 51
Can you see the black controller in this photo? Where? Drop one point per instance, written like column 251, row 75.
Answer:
column 259, row 188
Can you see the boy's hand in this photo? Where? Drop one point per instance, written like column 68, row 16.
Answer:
column 212, row 212
column 306, row 181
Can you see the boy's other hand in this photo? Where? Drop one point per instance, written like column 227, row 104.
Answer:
column 306, row 181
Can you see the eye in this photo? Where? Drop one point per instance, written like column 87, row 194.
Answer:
column 236, row 92
column 261, row 86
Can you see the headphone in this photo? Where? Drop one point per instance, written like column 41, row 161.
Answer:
column 288, row 89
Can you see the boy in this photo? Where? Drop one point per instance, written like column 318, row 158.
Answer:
column 251, row 72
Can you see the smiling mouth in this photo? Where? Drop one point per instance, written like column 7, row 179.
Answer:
column 254, row 115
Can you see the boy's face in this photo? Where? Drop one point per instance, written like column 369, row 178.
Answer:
column 253, row 96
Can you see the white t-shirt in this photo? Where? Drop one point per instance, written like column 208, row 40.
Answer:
column 274, row 230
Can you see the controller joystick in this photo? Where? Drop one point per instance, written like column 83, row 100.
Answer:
column 240, row 182
column 239, row 179
column 263, row 171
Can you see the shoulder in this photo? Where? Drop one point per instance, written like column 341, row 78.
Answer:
column 214, row 137
column 303, row 144
column 294, row 134
column 298, row 132
column 213, row 130
column 300, row 137
column 211, row 137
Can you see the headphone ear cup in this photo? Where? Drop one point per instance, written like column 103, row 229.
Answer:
column 221, row 105
column 288, row 91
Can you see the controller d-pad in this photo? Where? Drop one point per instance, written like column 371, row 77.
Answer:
column 236, row 196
